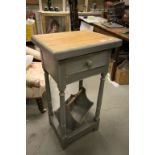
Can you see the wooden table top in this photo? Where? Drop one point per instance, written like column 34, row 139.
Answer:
column 69, row 44
column 118, row 32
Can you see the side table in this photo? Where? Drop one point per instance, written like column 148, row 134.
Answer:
column 70, row 57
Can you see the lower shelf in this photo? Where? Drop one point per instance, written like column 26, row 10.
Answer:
column 79, row 119
column 73, row 135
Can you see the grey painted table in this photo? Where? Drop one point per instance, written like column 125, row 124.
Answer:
column 70, row 57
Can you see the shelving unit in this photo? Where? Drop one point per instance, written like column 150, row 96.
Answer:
column 84, row 5
column 38, row 7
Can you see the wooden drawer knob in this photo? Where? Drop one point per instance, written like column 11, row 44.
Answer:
column 89, row 63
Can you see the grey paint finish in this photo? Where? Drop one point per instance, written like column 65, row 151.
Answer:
column 110, row 139
column 99, row 65
column 99, row 101
column 70, row 66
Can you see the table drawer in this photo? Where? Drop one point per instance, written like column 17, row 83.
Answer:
column 86, row 62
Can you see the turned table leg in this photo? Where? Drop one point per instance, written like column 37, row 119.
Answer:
column 48, row 95
column 62, row 112
column 100, row 95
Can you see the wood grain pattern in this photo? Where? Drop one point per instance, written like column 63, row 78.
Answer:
column 59, row 42
column 116, row 31
column 70, row 57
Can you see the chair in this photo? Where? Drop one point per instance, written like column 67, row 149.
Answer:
column 35, row 83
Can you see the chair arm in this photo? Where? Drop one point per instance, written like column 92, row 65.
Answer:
column 33, row 83
column 34, row 53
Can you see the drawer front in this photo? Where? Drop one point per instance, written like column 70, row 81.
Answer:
column 86, row 62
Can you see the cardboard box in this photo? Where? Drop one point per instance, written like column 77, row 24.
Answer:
column 122, row 73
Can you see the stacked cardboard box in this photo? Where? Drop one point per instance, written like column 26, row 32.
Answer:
column 122, row 73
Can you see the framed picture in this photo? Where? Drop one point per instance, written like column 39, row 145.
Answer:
column 53, row 22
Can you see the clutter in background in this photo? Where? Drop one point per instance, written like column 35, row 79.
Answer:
column 122, row 71
column 30, row 28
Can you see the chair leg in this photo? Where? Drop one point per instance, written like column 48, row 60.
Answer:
column 40, row 105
